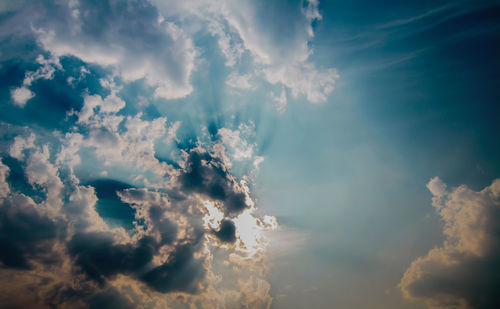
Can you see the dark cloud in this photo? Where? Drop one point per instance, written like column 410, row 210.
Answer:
column 206, row 175
column 99, row 258
column 25, row 234
column 181, row 272
column 226, row 232
column 109, row 299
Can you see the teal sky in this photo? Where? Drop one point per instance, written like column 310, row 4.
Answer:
column 250, row 154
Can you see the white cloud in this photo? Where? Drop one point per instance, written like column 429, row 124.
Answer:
column 437, row 187
column 235, row 80
column 40, row 171
column 279, row 45
column 459, row 273
column 282, row 61
column 240, row 148
column 135, row 45
column 20, row 144
column 4, row 186
column 110, row 104
column 303, row 78
column 281, row 101
column 48, row 67
column 21, row 95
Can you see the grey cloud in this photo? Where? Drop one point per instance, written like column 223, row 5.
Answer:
column 25, row 234
column 100, row 258
column 226, row 232
column 181, row 272
column 206, row 175
column 109, row 299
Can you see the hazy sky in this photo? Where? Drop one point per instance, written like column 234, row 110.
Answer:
column 250, row 154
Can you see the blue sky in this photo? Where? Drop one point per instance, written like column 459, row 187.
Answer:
column 249, row 154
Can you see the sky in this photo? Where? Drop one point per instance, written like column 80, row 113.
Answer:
column 250, row 154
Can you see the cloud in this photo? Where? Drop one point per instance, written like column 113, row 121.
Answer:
column 238, row 145
column 21, row 95
column 4, row 186
column 64, row 240
column 20, row 144
column 130, row 37
column 226, row 232
column 48, row 67
column 90, row 215
column 207, row 175
column 237, row 81
column 25, row 234
column 276, row 36
column 461, row 272
column 282, row 58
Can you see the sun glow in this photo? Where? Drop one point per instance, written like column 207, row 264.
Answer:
column 250, row 229
column 213, row 215
column 249, row 232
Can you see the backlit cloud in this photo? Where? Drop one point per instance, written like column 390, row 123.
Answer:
column 460, row 273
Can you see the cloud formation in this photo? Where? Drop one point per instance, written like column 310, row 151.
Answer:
column 128, row 36
column 276, row 37
column 462, row 272
column 109, row 195
column 166, row 250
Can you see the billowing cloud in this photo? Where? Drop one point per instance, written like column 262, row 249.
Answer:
column 91, row 244
column 130, row 37
column 67, row 230
column 117, row 202
column 279, row 46
column 462, row 272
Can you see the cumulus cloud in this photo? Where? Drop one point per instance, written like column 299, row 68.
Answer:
column 240, row 148
column 130, row 37
column 21, row 95
column 461, row 273
column 47, row 69
column 282, row 61
column 67, row 249
column 156, row 232
column 165, row 251
column 276, row 36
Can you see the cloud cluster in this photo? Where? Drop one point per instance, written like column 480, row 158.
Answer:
column 276, row 36
column 130, row 37
column 155, row 42
column 162, row 235
column 112, row 207
column 279, row 61
column 166, row 251
column 462, row 272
